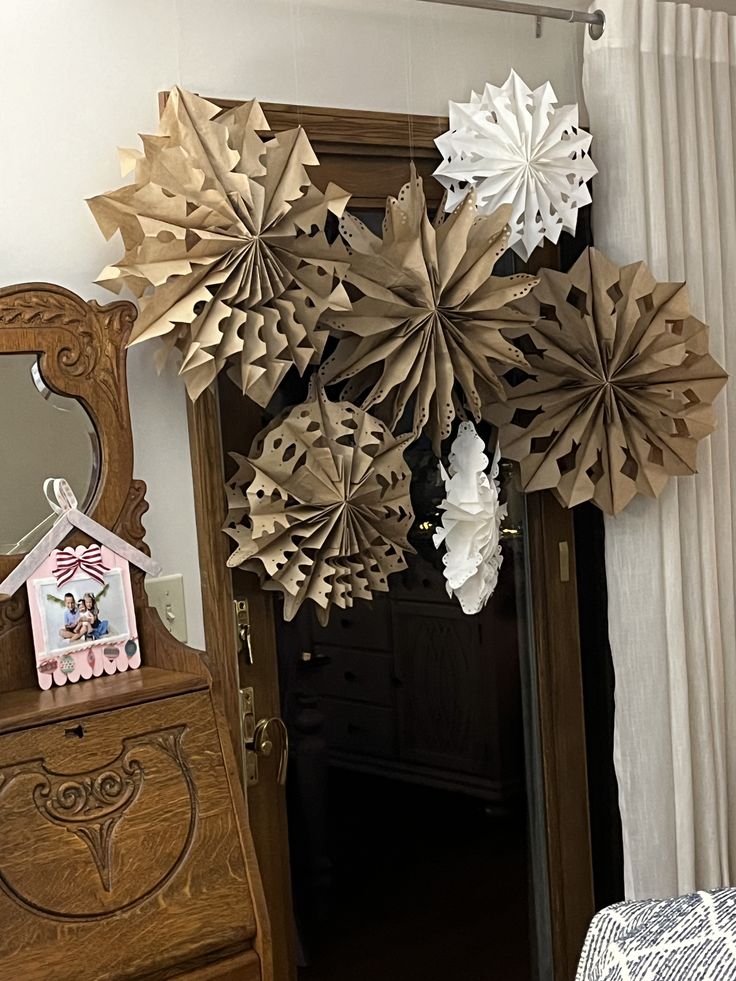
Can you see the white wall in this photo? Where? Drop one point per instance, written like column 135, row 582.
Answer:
column 80, row 77
column 393, row 55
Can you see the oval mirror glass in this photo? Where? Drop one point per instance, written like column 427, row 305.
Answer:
column 42, row 435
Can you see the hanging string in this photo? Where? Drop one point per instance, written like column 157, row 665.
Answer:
column 440, row 109
column 409, row 75
column 517, row 266
column 295, row 20
column 578, row 39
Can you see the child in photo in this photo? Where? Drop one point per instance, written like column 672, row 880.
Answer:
column 86, row 616
column 96, row 628
column 71, row 628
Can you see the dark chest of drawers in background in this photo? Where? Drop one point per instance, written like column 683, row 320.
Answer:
column 411, row 687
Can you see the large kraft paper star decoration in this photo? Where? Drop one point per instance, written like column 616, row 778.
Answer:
column 619, row 387
column 424, row 328
column 321, row 508
column 224, row 244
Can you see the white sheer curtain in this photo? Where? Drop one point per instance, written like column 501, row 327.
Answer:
column 660, row 87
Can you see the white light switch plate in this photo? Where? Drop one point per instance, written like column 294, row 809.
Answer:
column 166, row 594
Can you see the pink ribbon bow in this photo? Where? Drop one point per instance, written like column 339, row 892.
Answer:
column 89, row 561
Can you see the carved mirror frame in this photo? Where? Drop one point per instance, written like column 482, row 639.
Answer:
column 81, row 348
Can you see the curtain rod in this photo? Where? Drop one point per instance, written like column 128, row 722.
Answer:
column 596, row 20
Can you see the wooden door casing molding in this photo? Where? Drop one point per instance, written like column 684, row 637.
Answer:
column 559, row 688
column 364, row 152
column 257, row 667
column 368, row 153
column 227, row 661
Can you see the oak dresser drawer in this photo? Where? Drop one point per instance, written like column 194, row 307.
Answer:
column 106, row 820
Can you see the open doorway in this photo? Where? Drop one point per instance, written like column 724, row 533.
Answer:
column 390, row 903
column 407, row 796
column 407, row 803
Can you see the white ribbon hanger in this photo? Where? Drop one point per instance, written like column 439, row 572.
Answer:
column 63, row 502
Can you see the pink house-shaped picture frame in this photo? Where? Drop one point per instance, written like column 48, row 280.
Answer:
column 80, row 598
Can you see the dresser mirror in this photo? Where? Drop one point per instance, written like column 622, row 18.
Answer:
column 43, row 434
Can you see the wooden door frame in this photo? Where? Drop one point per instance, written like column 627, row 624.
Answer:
column 557, row 671
column 229, row 666
column 369, row 151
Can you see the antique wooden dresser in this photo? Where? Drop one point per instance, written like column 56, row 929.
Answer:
column 124, row 843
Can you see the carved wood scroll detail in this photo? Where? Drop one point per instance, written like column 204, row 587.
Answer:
column 13, row 611
column 82, row 341
column 93, row 805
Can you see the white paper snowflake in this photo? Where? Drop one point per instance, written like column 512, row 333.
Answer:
column 471, row 523
column 517, row 146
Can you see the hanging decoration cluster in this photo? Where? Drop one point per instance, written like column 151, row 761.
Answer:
column 619, row 387
column 599, row 379
column 519, row 147
column 471, row 521
column 220, row 246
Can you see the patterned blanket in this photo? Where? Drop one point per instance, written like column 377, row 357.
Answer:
column 691, row 938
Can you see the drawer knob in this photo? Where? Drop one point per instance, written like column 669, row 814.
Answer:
column 315, row 660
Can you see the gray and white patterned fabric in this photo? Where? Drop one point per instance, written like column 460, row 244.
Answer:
column 691, row 938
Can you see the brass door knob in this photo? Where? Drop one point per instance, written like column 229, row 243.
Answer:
column 262, row 742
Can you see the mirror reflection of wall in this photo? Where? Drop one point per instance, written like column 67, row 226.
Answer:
column 42, row 435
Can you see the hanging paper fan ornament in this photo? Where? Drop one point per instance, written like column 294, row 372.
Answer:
column 516, row 146
column 471, row 521
column 619, row 387
column 326, row 509
column 224, row 244
column 425, row 329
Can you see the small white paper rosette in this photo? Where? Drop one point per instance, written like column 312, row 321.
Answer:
column 471, row 522
column 517, row 146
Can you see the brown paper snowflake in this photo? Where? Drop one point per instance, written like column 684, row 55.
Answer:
column 321, row 509
column 426, row 326
column 618, row 390
column 224, row 244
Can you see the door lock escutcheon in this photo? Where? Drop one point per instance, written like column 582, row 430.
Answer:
column 242, row 626
column 258, row 739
